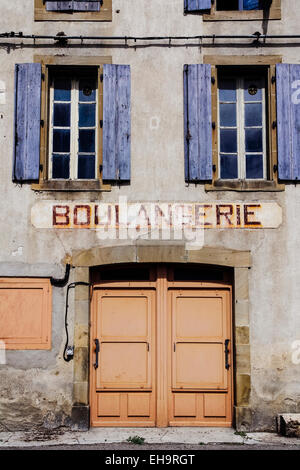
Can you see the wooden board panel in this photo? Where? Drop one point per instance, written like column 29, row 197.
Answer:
column 25, row 313
column 199, row 365
column 124, row 365
column 199, row 324
column 124, row 317
column 288, row 121
column 193, row 320
column 197, row 122
column 109, row 404
column 215, row 405
column 123, row 386
column 185, row 405
column 197, row 5
column 116, row 122
column 27, row 122
column 139, row 404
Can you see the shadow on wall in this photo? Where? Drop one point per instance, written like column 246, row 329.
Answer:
column 265, row 21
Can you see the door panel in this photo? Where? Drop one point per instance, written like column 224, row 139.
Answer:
column 123, row 316
column 199, row 365
column 200, row 322
column 191, row 386
column 215, row 405
column 191, row 319
column 124, row 322
column 124, row 365
column 185, row 405
column 109, row 404
column 139, row 404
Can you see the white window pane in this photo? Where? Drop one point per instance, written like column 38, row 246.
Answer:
column 228, row 140
column 86, row 166
column 253, row 114
column 87, row 115
column 227, row 90
column 87, row 90
column 229, row 166
column 62, row 90
column 228, row 115
column 254, row 166
column 60, row 166
column 62, row 114
column 61, row 140
column 86, row 140
column 253, row 140
column 253, row 90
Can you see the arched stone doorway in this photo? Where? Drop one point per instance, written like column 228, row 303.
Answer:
column 239, row 261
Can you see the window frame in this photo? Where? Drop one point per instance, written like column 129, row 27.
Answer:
column 239, row 78
column 41, row 14
column 49, row 63
column 74, row 130
column 271, row 183
column 244, row 15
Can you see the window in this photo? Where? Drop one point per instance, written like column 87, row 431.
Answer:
column 242, row 126
column 231, row 10
column 25, row 313
column 227, row 5
column 237, row 116
column 244, row 115
column 73, row 130
column 73, row 10
column 72, row 123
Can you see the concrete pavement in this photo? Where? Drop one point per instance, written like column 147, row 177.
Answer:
column 191, row 436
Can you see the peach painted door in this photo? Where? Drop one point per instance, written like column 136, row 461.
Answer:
column 123, row 357
column 200, row 370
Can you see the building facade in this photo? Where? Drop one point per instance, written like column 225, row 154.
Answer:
column 149, row 173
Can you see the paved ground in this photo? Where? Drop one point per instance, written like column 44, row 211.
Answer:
column 159, row 447
column 155, row 439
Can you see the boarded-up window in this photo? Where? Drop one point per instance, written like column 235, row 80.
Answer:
column 25, row 313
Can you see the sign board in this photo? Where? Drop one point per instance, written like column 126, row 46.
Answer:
column 148, row 215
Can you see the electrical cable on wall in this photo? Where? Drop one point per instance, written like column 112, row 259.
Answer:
column 61, row 39
column 68, row 353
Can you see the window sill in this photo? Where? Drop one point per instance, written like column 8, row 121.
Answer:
column 76, row 186
column 245, row 186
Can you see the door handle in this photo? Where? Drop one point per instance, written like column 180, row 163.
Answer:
column 227, row 365
column 97, row 352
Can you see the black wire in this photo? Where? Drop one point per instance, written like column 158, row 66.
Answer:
column 147, row 38
column 70, row 286
column 63, row 281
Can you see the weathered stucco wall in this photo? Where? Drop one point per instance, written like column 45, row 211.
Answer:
column 36, row 386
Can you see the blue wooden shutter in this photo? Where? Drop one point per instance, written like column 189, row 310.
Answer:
column 288, row 121
column 73, row 5
column 251, row 4
column 197, row 5
column 86, row 6
column 197, row 122
column 116, row 122
column 59, row 6
column 27, row 122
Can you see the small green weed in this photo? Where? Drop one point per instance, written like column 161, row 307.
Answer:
column 240, row 433
column 136, row 440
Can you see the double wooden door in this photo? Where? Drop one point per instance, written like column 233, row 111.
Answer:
column 161, row 354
